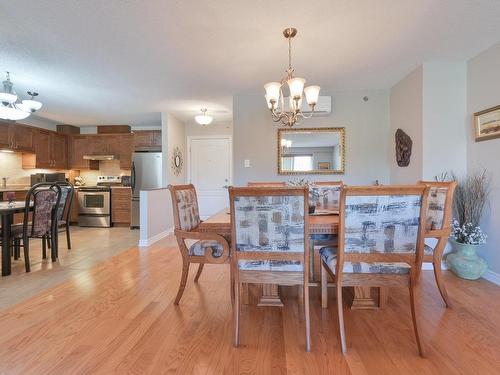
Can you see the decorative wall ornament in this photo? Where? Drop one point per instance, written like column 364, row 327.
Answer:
column 403, row 148
column 487, row 124
column 177, row 161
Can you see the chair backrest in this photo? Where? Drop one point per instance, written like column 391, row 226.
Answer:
column 45, row 198
column 267, row 184
column 325, row 195
column 382, row 224
column 185, row 207
column 439, row 205
column 269, row 223
column 64, row 207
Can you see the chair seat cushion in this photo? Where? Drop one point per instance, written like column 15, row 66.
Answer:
column 16, row 230
column 198, row 248
column 428, row 250
column 329, row 256
column 270, row 265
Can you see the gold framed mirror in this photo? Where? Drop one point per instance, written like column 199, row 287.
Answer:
column 311, row 151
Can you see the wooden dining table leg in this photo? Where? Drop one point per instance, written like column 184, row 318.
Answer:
column 6, row 223
column 365, row 298
column 270, row 296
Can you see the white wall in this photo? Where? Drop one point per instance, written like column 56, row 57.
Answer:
column 366, row 123
column 444, row 118
column 155, row 220
column 406, row 114
column 483, row 91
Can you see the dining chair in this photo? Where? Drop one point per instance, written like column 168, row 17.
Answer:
column 438, row 226
column 381, row 241
column 64, row 210
column 325, row 196
column 44, row 198
column 195, row 246
column 269, row 242
column 267, row 184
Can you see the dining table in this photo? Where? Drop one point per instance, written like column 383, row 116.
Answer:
column 7, row 211
column 319, row 223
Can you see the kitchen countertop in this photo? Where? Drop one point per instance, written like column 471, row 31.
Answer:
column 14, row 188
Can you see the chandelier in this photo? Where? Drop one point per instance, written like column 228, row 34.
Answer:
column 203, row 119
column 11, row 107
column 274, row 92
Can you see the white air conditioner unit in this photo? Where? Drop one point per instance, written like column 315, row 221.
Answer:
column 323, row 108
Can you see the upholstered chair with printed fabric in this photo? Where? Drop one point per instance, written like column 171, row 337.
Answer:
column 325, row 197
column 381, row 240
column 41, row 205
column 438, row 227
column 195, row 247
column 269, row 241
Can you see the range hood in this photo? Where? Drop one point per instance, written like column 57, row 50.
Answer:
column 100, row 157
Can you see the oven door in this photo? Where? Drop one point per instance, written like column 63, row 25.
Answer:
column 93, row 203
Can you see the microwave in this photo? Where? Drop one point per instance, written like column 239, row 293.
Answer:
column 47, row 177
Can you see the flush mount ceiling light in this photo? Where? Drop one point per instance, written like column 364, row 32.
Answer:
column 11, row 107
column 274, row 92
column 203, row 119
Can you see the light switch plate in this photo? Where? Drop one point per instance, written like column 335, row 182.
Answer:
column 247, row 163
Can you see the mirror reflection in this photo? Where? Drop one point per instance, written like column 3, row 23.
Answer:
column 311, row 151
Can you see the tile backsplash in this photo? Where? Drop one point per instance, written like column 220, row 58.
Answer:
column 11, row 166
column 106, row 168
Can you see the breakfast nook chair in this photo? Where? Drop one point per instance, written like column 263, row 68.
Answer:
column 438, row 226
column 195, row 247
column 44, row 198
column 381, row 240
column 269, row 242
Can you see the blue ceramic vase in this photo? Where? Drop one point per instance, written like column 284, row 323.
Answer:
column 464, row 261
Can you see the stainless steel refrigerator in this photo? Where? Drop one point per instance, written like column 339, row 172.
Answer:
column 146, row 174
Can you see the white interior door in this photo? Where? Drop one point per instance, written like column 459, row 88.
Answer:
column 210, row 172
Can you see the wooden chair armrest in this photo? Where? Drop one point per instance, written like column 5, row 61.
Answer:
column 438, row 233
column 184, row 235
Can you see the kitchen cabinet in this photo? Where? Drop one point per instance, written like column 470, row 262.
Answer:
column 59, row 150
column 50, row 151
column 4, row 135
column 16, row 137
column 80, row 145
column 147, row 140
column 74, row 208
column 121, row 205
column 120, row 145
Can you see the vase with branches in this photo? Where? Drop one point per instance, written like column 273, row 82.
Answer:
column 470, row 201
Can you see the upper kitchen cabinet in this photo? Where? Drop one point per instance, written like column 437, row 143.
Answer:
column 80, row 146
column 16, row 137
column 4, row 135
column 147, row 140
column 50, row 151
column 118, row 145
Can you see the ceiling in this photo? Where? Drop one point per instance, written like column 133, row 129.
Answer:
column 125, row 61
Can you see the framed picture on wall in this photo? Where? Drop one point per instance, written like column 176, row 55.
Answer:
column 487, row 124
column 323, row 165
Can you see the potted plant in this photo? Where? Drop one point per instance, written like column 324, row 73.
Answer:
column 471, row 196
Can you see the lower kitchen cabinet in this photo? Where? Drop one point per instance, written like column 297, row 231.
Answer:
column 121, row 205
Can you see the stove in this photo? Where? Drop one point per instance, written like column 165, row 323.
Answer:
column 94, row 202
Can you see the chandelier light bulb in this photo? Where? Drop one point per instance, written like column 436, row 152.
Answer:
column 296, row 86
column 312, row 94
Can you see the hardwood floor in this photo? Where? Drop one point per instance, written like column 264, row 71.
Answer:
column 90, row 247
column 119, row 317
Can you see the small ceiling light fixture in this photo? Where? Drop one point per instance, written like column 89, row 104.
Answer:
column 274, row 92
column 203, row 119
column 11, row 107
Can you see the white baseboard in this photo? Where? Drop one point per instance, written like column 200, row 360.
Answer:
column 429, row 267
column 492, row 277
column 149, row 241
